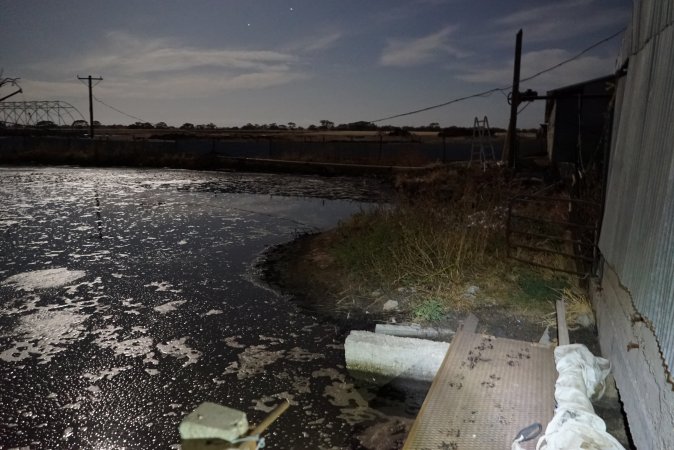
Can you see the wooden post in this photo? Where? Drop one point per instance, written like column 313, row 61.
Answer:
column 273, row 415
column 510, row 148
column 562, row 329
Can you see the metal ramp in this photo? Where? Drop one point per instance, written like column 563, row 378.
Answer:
column 485, row 392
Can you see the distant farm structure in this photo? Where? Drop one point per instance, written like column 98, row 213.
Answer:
column 39, row 113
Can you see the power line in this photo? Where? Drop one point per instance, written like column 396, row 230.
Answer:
column 524, row 107
column 578, row 55
column 118, row 110
column 480, row 94
column 138, row 118
column 505, row 88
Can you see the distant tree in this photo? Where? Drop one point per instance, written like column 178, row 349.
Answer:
column 361, row 125
column 292, row 125
column 97, row 124
column 187, row 126
column 161, row 125
column 141, row 125
column 327, row 125
column 312, row 127
column 210, row 126
column 455, row 131
column 434, row 126
column 80, row 124
column 397, row 131
column 45, row 124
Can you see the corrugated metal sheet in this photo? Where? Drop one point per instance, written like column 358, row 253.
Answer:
column 637, row 237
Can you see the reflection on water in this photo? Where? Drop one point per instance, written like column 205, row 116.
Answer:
column 120, row 315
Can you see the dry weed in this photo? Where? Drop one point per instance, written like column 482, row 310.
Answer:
column 579, row 311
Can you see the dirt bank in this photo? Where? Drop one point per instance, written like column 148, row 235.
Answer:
column 305, row 271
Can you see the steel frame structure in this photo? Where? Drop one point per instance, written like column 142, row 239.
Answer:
column 31, row 113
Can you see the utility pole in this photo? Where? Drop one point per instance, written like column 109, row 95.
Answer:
column 510, row 150
column 91, row 103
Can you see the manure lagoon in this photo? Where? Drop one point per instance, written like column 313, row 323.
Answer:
column 128, row 297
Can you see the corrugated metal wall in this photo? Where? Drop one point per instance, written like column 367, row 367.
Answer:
column 637, row 237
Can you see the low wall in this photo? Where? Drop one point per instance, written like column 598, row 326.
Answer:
column 638, row 367
column 74, row 150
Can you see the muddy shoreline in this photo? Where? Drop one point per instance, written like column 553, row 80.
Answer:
column 288, row 269
column 293, row 269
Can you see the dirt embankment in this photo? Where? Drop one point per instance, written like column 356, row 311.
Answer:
column 401, row 264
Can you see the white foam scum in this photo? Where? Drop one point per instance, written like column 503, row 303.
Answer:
column 43, row 279
column 178, row 349
column 108, row 338
column 46, row 333
column 162, row 286
column 169, row 306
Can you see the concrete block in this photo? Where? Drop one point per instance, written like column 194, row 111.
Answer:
column 393, row 356
column 213, row 421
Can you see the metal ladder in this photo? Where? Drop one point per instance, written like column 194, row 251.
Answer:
column 481, row 148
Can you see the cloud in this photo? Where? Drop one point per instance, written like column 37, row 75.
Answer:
column 541, row 13
column 195, row 85
column 52, row 90
column 405, row 53
column 146, row 68
column 581, row 69
column 432, row 2
column 562, row 20
column 134, row 56
column 315, row 44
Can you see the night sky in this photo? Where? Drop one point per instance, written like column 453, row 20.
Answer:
column 263, row 61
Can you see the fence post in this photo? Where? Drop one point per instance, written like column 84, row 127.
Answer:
column 444, row 149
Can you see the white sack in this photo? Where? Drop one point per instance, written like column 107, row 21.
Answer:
column 582, row 377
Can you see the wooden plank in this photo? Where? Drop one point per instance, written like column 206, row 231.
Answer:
column 470, row 323
column 562, row 329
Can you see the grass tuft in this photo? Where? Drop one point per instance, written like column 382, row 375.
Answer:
column 429, row 310
column 445, row 233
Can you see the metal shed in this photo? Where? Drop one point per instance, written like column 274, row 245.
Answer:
column 577, row 118
column 635, row 298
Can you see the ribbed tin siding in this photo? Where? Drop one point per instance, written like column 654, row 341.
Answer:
column 637, row 237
